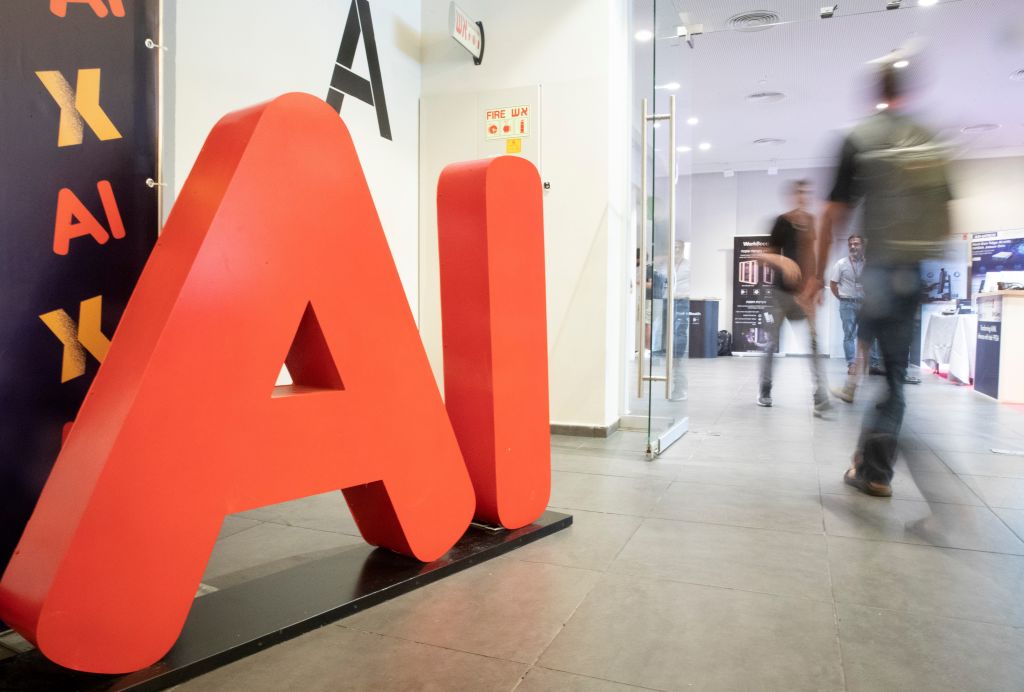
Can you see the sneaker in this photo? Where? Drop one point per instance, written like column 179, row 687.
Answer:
column 876, row 370
column 844, row 393
column 910, row 379
column 821, row 407
column 765, row 400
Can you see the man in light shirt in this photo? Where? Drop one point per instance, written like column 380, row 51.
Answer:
column 847, row 288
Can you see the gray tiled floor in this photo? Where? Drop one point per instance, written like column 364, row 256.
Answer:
column 737, row 561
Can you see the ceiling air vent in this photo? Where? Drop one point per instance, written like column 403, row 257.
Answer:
column 754, row 20
column 765, row 97
column 1017, row 76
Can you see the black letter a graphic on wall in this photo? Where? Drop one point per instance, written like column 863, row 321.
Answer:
column 345, row 81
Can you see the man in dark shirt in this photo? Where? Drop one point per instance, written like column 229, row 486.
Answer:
column 887, row 163
column 790, row 252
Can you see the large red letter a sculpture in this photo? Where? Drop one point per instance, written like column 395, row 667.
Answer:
column 273, row 253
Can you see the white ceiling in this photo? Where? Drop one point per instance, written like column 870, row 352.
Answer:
column 972, row 48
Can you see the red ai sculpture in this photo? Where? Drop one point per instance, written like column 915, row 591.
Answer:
column 274, row 253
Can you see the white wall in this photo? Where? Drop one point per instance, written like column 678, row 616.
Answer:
column 989, row 195
column 576, row 51
column 228, row 55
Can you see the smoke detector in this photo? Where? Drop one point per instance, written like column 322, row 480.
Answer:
column 765, row 96
column 753, row 20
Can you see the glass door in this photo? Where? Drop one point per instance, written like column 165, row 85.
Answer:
column 658, row 309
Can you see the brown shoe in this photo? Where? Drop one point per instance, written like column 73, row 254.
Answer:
column 866, row 487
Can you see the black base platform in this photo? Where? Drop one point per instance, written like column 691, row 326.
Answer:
column 227, row 625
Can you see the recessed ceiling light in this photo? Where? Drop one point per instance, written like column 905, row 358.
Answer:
column 671, row 86
column 769, row 141
column 683, row 149
column 692, row 120
column 765, row 96
column 881, row 106
column 643, row 35
column 900, row 64
column 980, row 127
column 704, row 146
column 656, row 125
column 926, row 3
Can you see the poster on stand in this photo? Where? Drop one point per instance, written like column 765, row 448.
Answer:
column 996, row 257
column 78, row 136
column 752, row 288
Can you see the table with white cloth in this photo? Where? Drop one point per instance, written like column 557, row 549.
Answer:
column 949, row 342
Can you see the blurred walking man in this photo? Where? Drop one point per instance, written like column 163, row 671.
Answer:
column 790, row 252
column 898, row 170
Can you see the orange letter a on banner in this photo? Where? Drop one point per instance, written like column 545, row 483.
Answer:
column 60, row 7
column 274, row 253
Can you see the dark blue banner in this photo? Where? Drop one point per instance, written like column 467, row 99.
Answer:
column 78, row 139
column 986, row 370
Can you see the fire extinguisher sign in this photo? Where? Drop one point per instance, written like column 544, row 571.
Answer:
column 508, row 122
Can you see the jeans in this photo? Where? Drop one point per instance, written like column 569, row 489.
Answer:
column 891, row 295
column 848, row 310
column 783, row 306
column 680, row 348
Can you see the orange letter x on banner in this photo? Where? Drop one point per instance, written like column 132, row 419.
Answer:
column 274, row 253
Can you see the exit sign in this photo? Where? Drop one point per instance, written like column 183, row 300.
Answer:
column 466, row 32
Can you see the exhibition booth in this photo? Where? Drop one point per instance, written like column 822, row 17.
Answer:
column 962, row 325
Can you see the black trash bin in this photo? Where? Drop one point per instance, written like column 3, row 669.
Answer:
column 703, row 329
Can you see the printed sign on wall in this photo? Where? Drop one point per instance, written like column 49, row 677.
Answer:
column 507, row 122
column 78, row 142
column 753, row 284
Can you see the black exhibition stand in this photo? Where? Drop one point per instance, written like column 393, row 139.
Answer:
column 227, row 625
